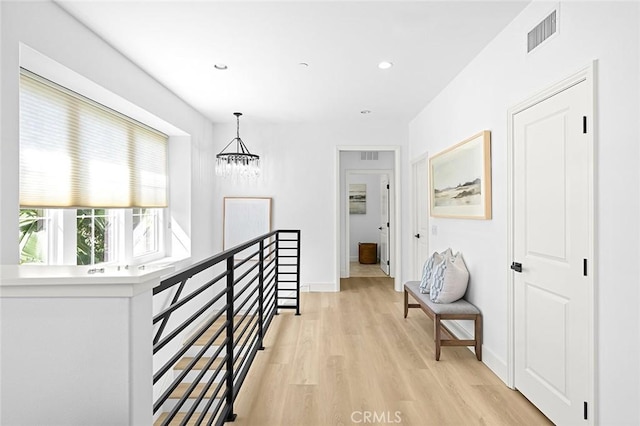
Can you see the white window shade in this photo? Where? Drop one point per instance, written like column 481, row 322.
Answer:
column 75, row 152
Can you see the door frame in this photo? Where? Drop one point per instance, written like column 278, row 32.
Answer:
column 342, row 205
column 586, row 75
column 347, row 226
column 414, row 213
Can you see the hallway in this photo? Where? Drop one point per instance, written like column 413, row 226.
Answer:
column 357, row 269
column 352, row 356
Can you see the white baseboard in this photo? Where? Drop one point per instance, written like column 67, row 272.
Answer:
column 496, row 364
column 353, row 258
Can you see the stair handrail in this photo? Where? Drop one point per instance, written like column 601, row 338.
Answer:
column 250, row 296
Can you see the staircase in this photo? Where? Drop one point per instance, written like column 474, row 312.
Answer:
column 202, row 372
column 199, row 380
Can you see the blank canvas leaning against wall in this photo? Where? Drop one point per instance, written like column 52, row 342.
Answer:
column 245, row 219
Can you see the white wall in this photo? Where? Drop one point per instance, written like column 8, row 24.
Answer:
column 76, row 350
column 638, row 121
column 46, row 28
column 364, row 227
column 2, row 163
column 49, row 30
column 501, row 76
column 299, row 172
column 98, row 396
column 299, row 159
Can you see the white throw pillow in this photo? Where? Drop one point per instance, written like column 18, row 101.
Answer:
column 427, row 269
column 450, row 279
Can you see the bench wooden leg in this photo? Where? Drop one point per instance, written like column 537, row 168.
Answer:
column 438, row 327
column 478, row 337
column 406, row 303
column 438, row 335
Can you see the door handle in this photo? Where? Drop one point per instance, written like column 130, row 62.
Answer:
column 516, row 266
column 417, row 235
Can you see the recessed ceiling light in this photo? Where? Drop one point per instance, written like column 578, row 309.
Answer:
column 365, row 111
column 220, row 66
column 385, row 65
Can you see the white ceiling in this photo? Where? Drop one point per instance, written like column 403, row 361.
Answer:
column 179, row 42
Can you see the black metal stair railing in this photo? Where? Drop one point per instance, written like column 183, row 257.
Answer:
column 230, row 301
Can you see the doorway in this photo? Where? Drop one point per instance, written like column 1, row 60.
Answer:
column 368, row 230
column 344, row 161
column 420, row 210
column 551, row 251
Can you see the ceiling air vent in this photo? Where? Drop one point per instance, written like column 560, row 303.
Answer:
column 542, row 31
column 368, row 155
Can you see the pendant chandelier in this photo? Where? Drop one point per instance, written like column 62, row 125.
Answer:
column 240, row 164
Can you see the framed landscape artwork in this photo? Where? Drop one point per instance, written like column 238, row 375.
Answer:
column 461, row 179
column 358, row 198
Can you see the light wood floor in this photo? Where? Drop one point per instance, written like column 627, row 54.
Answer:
column 357, row 269
column 352, row 352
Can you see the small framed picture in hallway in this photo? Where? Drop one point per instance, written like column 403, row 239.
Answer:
column 358, row 198
column 460, row 185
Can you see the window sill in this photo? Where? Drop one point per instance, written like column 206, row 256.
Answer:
column 77, row 281
column 175, row 262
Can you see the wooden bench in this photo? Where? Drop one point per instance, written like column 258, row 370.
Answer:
column 458, row 310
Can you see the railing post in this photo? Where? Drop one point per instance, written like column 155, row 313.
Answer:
column 277, row 276
column 298, row 275
column 261, row 298
column 231, row 416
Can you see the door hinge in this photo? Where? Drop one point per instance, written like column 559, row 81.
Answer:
column 387, row 186
column 584, row 267
column 586, row 410
column 584, row 124
column 388, row 263
column 387, row 224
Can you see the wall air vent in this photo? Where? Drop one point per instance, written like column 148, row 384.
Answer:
column 542, row 31
column 368, row 155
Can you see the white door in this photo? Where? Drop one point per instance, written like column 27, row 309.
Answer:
column 552, row 244
column 384, row 224
column 421, row 215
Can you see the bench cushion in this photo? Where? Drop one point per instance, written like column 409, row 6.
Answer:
column 460, row 306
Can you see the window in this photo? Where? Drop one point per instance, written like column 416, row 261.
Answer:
column 95, row 236
column 146, row 231
column 93, row 182
column 34, row 236
column 77, row 153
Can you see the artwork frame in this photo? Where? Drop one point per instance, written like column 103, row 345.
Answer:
column 357, row 198
column 460, row 179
